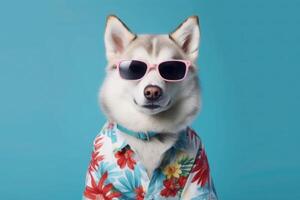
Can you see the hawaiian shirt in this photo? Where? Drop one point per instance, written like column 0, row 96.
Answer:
column 115, row 171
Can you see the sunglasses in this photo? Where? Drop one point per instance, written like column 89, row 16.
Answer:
column 171, row 70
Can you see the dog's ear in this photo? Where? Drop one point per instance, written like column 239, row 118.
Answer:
column 116, row 37
column 187, row 36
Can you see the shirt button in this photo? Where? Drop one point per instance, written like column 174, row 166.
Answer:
column 151, row 197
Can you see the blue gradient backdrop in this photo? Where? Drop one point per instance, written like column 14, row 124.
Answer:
column 52, row 62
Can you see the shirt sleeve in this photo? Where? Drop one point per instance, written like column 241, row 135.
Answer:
column 92, row 185
column 97, row 185
column 200, row 185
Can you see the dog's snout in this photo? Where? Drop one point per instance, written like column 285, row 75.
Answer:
column 152, row 92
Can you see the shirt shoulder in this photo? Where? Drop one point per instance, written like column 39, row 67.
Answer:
column 108, row 139
column 192, row 141
column 108, row 131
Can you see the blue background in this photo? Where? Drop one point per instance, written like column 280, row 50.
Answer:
column 52, row 63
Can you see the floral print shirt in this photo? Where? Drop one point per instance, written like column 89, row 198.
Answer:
column 115, row 171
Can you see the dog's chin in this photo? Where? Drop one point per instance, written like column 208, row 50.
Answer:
column 151, row 108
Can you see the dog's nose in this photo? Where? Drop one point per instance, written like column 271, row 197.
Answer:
column 152, row 92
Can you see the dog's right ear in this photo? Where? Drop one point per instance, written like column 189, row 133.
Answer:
column 116, row 37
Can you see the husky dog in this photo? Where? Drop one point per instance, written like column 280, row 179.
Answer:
column 151, row 87
column 126, row 102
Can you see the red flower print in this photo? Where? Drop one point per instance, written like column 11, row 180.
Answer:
column 140, row 193
column 201, row 169
column 125, row 158
column 96, row 157
column 98, row 143
column 171, row 188
column 100, row 191
column 181, row 181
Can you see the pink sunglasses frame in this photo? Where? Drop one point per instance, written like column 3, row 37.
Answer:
column 155, row 66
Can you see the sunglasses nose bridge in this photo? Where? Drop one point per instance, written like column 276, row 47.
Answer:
column 152, row 66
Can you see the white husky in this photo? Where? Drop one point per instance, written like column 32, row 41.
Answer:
column 124, row 101
column 151, row 89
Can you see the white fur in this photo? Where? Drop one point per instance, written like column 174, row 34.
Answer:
column 150, row 152
column 179, row 103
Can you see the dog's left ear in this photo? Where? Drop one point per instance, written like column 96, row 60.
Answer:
column 116, row 37
column 187, row 36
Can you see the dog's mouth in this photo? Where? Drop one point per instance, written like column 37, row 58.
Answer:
column 151, row 106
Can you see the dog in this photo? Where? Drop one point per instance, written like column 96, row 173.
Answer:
column 150, row 96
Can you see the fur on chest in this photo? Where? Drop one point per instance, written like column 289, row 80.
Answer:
column 151, row 152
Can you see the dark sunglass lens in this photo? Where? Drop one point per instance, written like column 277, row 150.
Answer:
column 132, row 69
column 172, row 70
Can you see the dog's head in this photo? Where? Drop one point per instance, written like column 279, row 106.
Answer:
column 151, row 104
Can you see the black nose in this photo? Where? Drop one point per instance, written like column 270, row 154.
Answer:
column 152, row 92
